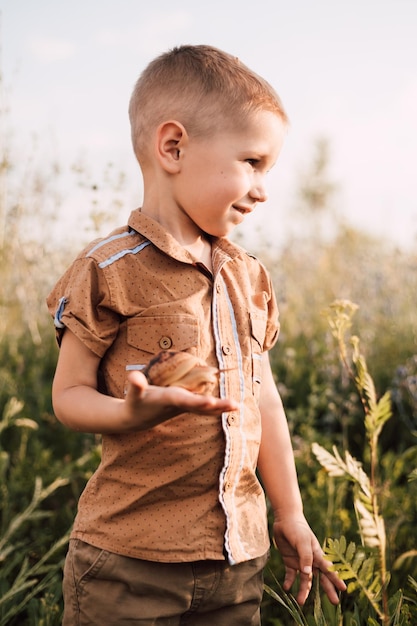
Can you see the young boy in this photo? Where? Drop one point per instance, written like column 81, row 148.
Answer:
column 172, row 527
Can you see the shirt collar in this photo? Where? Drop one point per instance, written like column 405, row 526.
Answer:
column 159, row 237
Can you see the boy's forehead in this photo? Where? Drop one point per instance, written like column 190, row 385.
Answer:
column 249, row 123
column 260, row 123
column 260, row 137
column 265, row 133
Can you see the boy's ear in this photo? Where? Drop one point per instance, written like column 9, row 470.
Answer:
column 171, row 138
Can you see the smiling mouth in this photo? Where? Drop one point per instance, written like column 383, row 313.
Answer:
column 242, row 210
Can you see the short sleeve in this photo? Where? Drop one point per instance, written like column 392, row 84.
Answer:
column 81, row 302
column 264, row 302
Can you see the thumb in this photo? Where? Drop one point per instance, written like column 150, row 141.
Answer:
column 137, row 382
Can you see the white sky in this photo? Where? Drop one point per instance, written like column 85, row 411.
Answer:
column 346, row 70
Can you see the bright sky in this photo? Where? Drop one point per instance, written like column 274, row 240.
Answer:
column 344, row 70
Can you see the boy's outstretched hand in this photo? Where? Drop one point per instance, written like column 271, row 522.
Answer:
column 303, row 557
column 147, row 405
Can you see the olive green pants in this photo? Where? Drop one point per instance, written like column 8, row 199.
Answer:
column 106, row 589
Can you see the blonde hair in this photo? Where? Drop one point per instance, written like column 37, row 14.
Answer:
column 201, row 87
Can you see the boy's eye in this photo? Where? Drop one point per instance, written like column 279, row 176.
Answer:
column 252, row 162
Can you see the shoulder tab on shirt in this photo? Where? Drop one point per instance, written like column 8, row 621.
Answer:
column 116, row 246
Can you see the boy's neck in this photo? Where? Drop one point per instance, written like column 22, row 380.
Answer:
column 201, row 251
column 188, row 235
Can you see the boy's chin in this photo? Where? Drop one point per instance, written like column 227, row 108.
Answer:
column 221, row 232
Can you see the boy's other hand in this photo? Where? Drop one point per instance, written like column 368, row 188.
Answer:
column 303, row 557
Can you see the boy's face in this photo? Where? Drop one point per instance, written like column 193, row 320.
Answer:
column 222, row 176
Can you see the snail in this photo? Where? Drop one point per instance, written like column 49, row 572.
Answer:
column 180, row 369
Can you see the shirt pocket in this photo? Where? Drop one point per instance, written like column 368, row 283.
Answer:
column 258, row 322
column 146, row 336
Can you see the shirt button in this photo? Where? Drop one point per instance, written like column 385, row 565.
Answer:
column 226, row 350
column 165, row 343
column 232, row 419
column 218, row 288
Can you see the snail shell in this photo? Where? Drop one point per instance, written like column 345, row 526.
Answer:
column 180, row 369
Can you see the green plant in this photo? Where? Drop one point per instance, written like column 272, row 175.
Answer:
column 372, row 598
column 364, row 567
column 30, row 558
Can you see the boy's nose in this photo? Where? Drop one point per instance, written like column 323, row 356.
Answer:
column 258, row 192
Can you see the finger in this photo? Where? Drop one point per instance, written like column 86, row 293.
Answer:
column 306, row 563
column 319, row 560
column 334, row 580
column 306, row 581
column 322, row 564
column 209, row 403
column 330, row 589
column 185, row 401
column 206, row 405
column 290, row 576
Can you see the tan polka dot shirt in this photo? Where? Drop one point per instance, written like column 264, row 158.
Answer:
column 187, row 489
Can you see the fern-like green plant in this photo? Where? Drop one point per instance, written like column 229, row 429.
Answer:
column 371, row 524
column 358, row 568
column 364, row 568
column 413, row 475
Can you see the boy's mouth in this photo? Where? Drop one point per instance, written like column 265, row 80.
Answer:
column 243, row 210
